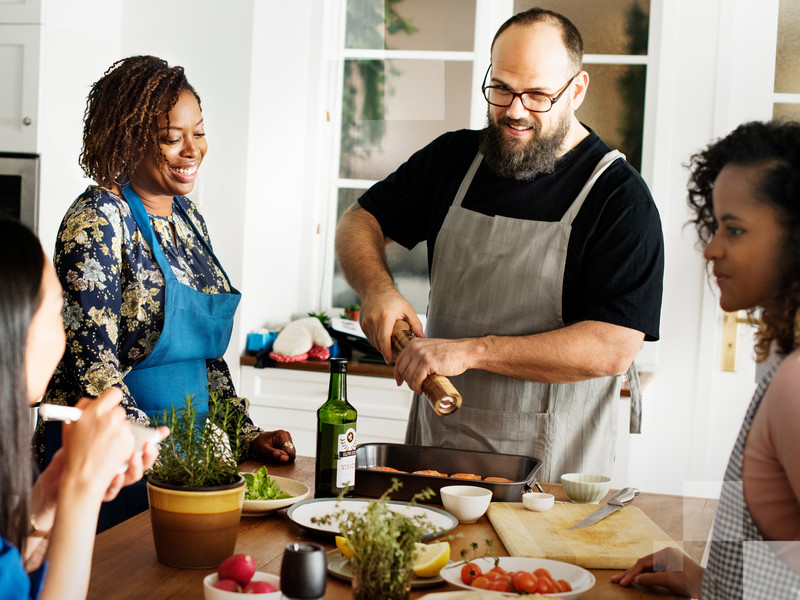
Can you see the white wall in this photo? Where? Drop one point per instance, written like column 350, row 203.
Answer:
column 712, row 54
column 80, row 40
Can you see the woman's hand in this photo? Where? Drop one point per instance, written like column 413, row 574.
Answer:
column 141, row 460
column 274, row 447
column 669, row 568
column 97, row 446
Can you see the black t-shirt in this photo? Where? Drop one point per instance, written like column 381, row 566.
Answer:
column 615, row 257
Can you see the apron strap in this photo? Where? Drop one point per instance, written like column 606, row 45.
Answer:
column 465, row 183
column 635, row 386
column 604, row 163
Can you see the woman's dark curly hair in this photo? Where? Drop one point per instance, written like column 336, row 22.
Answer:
column 122, row 113
column 776, row 147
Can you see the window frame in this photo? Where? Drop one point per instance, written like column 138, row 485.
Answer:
column 489, row 15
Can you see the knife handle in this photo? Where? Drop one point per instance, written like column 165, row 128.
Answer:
column 624, row 495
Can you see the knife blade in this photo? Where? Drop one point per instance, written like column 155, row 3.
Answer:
column 614, row 503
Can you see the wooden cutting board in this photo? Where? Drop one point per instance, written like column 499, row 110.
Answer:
column 615, row 542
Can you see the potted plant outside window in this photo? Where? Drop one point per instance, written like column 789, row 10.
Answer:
column 351, row 311
column 195, row 488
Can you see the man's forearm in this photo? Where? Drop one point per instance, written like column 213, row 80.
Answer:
column 581, row 351
column 361, row 252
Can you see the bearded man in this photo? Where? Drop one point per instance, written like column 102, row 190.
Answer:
column 546, row 261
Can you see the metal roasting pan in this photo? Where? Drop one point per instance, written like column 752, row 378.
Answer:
column 521, row 470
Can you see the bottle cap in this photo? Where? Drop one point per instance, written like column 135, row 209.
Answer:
column 338, row 365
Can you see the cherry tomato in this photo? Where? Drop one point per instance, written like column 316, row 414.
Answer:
column 498, row 569
column 499, row 585
column 481, row 581
column 524, row 582
column 565, row 585
column 469, row 572
column 542, row 573
column 544, row 585
column 493, row 575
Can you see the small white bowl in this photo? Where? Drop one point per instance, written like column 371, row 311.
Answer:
column 583, row 488
column 537, row 501
column 212, row 593
column 467, row 503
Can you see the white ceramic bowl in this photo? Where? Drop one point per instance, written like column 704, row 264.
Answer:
column 537, row 501
column 467, row 503
column 584, row 488
column 212, row 593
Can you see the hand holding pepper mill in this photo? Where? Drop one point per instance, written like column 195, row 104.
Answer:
column 443, row 396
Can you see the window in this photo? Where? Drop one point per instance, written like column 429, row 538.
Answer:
column 787, row 69
column 392, row 49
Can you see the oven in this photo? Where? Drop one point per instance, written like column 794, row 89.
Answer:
column 19, row 188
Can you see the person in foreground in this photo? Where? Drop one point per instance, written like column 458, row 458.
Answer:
column 745, row 193
column 545, row 255
column 149, row 308
column 56, row 516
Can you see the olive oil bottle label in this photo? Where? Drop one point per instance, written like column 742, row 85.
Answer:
column 346, row 457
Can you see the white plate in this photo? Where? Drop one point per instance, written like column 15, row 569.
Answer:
column 255, row 508
column 579, row 578
column 302, row 513
column 340, row 567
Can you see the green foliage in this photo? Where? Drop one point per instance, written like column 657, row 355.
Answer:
column 632, row 84
column 383, row 541
column 353, row 307
column 363, row 127
column 322, row 316
column 198, row 452
column 260, row 486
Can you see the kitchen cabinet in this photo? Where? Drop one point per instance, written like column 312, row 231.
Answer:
column 19, row 94
column 289, row 399
column 21, row 11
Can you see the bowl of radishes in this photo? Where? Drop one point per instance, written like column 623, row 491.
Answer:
column 236, row 576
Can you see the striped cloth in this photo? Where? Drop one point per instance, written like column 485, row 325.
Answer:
column 741, row 563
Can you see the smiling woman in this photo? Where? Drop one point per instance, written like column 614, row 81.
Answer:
column 148, row 307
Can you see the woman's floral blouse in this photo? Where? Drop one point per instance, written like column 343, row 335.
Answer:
column 114, row 297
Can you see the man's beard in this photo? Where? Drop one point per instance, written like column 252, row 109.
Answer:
column 523, row 161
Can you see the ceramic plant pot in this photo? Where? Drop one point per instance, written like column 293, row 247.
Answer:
column 194, row 528
column 351, row 314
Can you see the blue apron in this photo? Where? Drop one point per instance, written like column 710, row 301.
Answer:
column 197, row 327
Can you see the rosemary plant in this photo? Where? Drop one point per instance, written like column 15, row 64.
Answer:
column 200, row 453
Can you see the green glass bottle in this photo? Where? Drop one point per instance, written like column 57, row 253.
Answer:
column 336, row 437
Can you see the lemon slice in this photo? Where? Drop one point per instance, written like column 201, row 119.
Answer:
column 343, row 546
column 431, row 558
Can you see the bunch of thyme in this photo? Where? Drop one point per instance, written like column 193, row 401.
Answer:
column 383, row 543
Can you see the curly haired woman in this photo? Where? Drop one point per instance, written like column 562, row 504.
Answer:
column 148, row 307
column 745, row 194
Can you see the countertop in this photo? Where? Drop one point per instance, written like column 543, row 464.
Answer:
column 357, row 367
column 124, row 565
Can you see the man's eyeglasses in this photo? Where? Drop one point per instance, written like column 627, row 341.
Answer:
column 500, row 95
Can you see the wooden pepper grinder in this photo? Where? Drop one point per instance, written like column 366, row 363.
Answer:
column 444, row 398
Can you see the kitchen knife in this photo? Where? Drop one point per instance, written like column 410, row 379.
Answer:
column 616, row 502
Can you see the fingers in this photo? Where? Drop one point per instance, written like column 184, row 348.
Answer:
column 117, row 483
column 643, row 564
column 274, row 446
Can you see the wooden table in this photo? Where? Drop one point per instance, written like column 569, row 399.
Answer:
column 125, row 566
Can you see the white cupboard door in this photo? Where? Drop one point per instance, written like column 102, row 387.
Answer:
column 21, row 11
column 19, row 94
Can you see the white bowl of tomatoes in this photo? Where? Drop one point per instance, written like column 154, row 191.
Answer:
column 515, row 576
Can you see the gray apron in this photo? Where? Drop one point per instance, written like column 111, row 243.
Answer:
column 503, row 276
